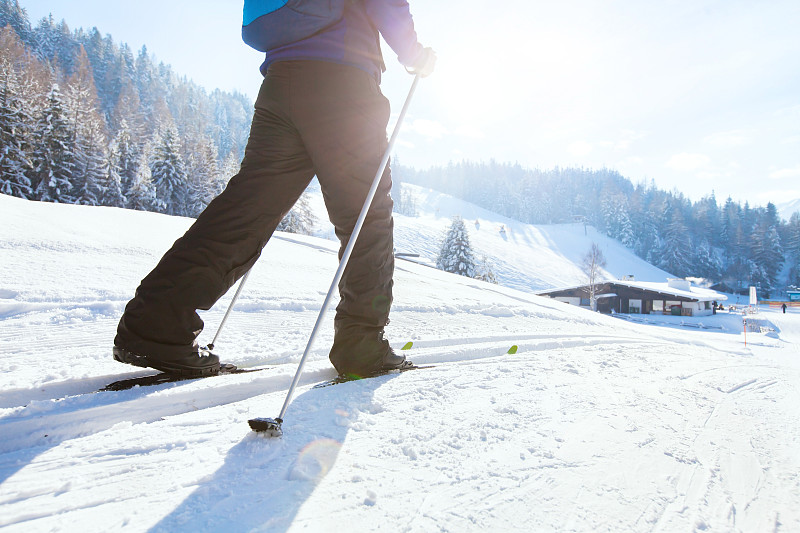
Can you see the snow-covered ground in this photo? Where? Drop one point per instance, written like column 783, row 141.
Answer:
column 523, row 256
column 594, row 424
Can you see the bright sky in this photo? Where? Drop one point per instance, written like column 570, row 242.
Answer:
column 697, row 95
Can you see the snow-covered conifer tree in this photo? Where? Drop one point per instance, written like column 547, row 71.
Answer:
column 300, row 219
column 617, row 221
column 89, row 138
column 125, row 156
column 126, row 113
column 141, row 195
column 707, row 263
column 230, row 166
column 111, row 186
column 15, row 164
column 456, row 254
column 484, row 271
column 404, row 201
column 169, row 174
column 676, row 251
column 202, row 172
column 13, row 15
column 54, row 158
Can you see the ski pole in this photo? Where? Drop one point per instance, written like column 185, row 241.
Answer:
column 272, row 426
column 230, row 308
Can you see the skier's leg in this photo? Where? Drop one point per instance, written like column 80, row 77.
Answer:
column 161, row 321
column 345, row 132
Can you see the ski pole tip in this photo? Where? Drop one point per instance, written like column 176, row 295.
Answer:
column 271, row 427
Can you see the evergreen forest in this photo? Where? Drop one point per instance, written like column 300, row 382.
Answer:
column 86, row 120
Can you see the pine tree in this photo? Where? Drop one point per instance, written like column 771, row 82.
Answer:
column 404, row 201
column 126, row 113
column 230, row 166
column 792, row 248
column 54, row 158
column 125, row 156
column 111, row 193
column 766, row 250
column 484, row 271
column 792, row 244
column 12, row 14
column 169, row 174
column 141, row 195
column 766, row 257
column 89, row 138
column 759, row 278
column 707, row 264
column 15, row 164
column 300, row 219
column 456, row 254
column 45, row 40
column 202, row 173
column 23, row 82
column 96, row 51
column 617, row 221
column 676, row 252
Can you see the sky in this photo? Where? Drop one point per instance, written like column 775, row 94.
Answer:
column 700, row 96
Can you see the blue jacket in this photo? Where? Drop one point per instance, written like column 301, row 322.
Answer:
column 354, row 39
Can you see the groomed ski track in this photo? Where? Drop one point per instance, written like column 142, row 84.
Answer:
column 573, row 424
column 594, row 424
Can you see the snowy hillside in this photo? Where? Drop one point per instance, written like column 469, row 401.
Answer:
column 787, row 209
column 594, row 424
column 523, row 256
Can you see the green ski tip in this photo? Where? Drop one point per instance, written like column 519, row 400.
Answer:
column 512, row 350
column 408, row 346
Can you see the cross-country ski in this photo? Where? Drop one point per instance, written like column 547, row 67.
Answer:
column 165, row 377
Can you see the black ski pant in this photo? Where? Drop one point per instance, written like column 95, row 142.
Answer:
column 311, row 118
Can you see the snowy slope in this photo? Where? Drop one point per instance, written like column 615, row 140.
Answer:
column 594, row 424
column 788, row 208
column 523, row 256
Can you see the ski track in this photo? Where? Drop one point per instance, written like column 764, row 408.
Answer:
column 542, row 384
column 594, row 424
column 707, row 484
column 576, row 441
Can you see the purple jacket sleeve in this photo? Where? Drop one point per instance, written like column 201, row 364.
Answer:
column 394, row 22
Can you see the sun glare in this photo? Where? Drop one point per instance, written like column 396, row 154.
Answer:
column 514, row 75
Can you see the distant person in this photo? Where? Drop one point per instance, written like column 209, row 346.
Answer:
column 784, row 308
column 319, row 112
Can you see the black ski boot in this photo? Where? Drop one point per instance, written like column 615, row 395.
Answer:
column 201, row 363
column 392, row 361
column 364, row 354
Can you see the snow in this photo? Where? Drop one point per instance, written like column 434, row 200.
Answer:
column 524, row 256
column 691, row 291
column 788, row 208
column 595, row 423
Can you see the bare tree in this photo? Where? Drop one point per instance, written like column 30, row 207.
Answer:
column 592, row 263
